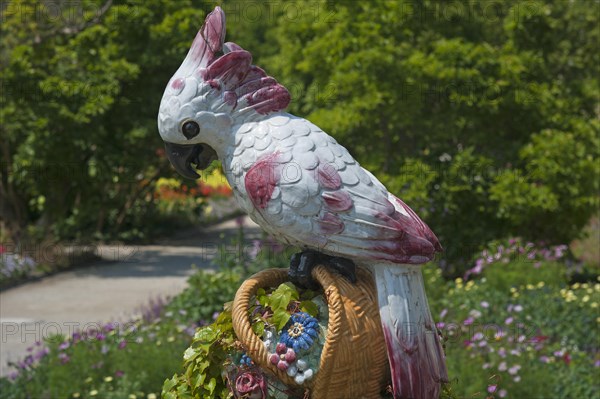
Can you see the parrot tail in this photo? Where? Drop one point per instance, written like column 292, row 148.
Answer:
column 414, row 350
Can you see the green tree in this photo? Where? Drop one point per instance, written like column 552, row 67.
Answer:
column 81, row 85
column 498, row 102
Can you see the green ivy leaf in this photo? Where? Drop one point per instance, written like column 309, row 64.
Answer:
column 258, row 327
column 211, row 385
column 190, row 354
column 310, row 307
column 206, row 335
column 282, row 296
column 169, row 384
column 200, row 378
column 203, row 365
column 280, row 318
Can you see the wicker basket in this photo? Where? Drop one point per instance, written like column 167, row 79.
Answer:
column 354, row 361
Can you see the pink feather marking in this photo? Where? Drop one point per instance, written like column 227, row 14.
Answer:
column 231, row 46
column 414, row 242
column 328, row 177
column 214, row 84
column 337, row 201
column 178, row 84
column 213, row 30
column 250, row 86
column 406, row 249
column 399, row 222
column 330, row 223
column 209, row 39
column 414, row 373
column 230, row 69
column 262, row 178
column 269, row 99
column 230, row 98
column 419, row 225
column 255, row 73
column 389, row 207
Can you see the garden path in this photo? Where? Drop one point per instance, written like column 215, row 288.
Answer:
column 114, row 288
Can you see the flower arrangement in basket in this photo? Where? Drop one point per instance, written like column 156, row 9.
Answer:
column 323, row 344
column 278, row 341
column 292, row 326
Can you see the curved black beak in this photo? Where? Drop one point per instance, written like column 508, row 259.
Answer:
column 182, row 156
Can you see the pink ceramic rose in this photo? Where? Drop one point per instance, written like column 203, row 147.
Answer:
column 250, row 384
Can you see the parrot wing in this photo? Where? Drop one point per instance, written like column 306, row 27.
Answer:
column 308, row 189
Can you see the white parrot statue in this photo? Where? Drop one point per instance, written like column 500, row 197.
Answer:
column 304, row 188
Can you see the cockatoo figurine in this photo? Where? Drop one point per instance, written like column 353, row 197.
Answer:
column 305, row 189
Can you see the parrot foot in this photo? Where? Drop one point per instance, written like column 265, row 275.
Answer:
column 302, row 263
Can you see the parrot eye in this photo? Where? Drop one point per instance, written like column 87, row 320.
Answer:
column 190, row 129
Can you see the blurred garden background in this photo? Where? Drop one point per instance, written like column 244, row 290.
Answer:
column 483, row 116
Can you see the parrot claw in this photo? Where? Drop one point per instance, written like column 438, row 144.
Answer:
column 302, row 263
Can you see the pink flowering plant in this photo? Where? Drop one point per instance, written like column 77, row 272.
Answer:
column 515, row 250
column 517, row 321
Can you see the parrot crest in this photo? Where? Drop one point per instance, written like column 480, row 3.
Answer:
column 215, row 85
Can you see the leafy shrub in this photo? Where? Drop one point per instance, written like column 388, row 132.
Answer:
column 587, row 250
column 206, row 294
column 203, row 363
column 463, row 215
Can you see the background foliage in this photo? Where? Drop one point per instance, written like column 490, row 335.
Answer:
column 81, row 85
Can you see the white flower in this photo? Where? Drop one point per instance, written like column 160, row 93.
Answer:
column 268, row 338
column 292, row 371
column 301, row 372
column 518, row 308
column 308, row 374
column 302, row 365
